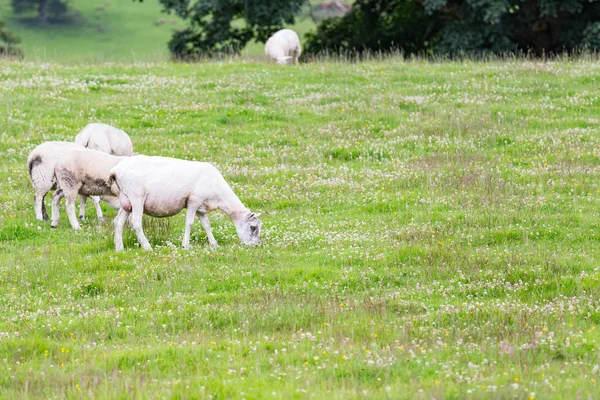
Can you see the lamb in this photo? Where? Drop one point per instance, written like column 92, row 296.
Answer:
column 105, row 138
column 283, row 46
column 42, row 160
column 162, row 187
column 41, row 163
column 84, row 172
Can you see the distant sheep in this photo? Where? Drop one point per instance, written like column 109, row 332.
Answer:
column 84, row 172
column 105, row 138
column 162, row 187
column 283, row 47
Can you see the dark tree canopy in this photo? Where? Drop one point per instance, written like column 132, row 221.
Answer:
column 217, row 26
column 541, row 26
column 8, row 42
column 56, row 8
column 462, row 26
column 377, row 25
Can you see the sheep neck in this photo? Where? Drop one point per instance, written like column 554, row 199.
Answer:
column 231, row 205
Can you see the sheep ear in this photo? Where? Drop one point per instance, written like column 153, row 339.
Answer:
column 252, row 215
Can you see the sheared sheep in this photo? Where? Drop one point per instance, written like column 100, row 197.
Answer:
column 41, row 163
column 84, row 172
column 162, row 187
column 283, row 46
column 105, row 138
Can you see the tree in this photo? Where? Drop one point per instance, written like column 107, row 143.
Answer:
column 463, row 26
column 225, row 26
column 8, row 42
column 376, row 25
column 539, row 26
column 56, row 8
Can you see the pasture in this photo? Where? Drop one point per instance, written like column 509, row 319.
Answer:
column 110, row 30
column 430, row 230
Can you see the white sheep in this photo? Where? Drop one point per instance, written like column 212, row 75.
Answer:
column 41, row 163
column 84, row 172
column 162, row 187
column 42, row 160
column 283, row 47
column 105, row 138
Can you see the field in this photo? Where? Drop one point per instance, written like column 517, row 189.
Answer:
column 109, row 30
column 430, row 230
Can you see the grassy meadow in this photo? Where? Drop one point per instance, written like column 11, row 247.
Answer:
column 110, row 30
column 430, row 230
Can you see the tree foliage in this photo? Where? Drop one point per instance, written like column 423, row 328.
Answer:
column 375, row 25
column 463, row 26
column 8, row 42
column 217, row 26
column 55, row 8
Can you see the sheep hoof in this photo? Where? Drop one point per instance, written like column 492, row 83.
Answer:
column 53, row 225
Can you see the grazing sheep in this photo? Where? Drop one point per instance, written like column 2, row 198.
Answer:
column 84, row 172
column 162, row 187
column 106, row 139
column 41, row 163
column 283, row 47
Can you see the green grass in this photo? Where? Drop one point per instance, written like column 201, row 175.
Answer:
column 110, row 30
column 107, row 30
column 431, row 230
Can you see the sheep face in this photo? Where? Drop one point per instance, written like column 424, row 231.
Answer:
column 284, row 60
column 248, row 229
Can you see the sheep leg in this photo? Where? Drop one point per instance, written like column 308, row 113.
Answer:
column 119, row 222
column 206, row 225
column 56, row 197
column 39, row 206
column 96, row 200
column 44, row 212
column 137, row 211
column 71, row 211
column 189, row 221
column 82, row 200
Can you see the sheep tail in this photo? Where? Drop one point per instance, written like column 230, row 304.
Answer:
column 32, row 163
column 112, row 178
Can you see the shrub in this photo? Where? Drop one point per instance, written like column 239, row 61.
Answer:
column 462, row 26
column 8, row 43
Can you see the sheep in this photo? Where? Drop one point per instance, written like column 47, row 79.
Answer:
column 162, row 187
column 84, row 172
column 283, row 46
column 41, row 163
column 105, row 138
